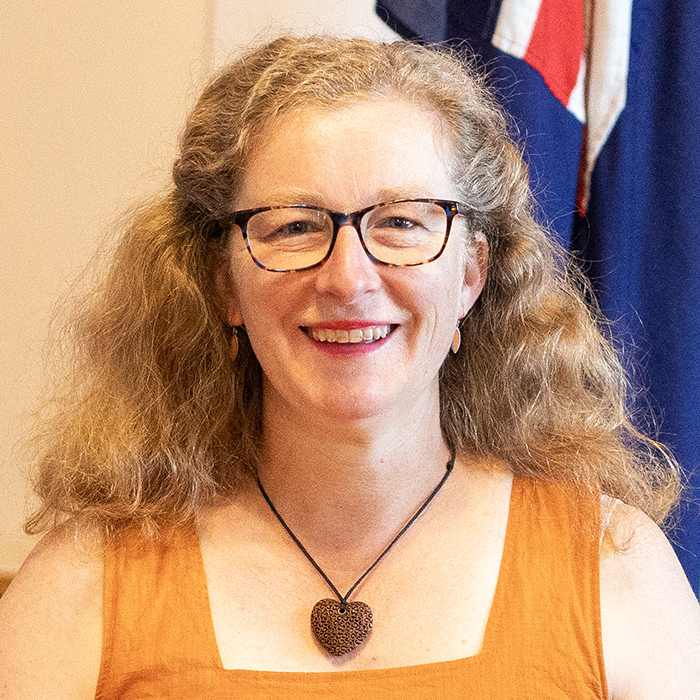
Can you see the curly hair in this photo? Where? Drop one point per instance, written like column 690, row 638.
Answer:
column 155, row 421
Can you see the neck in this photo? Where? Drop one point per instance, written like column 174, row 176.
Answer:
column 349, row 487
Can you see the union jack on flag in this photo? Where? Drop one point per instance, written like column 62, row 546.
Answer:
column 581, row 50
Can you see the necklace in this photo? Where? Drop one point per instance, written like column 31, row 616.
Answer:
column 340, row 626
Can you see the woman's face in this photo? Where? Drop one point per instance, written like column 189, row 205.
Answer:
column 346, row 159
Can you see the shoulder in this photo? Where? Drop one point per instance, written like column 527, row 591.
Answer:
column 650, row 615
column 51, row 619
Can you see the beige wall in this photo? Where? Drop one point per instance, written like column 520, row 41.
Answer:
column 92, row 94
column 240, row 22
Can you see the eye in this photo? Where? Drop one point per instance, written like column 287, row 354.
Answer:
column 398, row 230
column 406, row 216
column 278, row 226
column 396, row 222
column 301, row 227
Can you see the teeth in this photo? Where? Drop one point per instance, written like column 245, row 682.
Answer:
column 356, row 335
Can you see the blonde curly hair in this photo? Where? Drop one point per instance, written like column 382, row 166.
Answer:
column 155, row 421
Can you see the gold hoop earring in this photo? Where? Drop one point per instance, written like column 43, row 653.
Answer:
column 456, row 341
column 234, row 344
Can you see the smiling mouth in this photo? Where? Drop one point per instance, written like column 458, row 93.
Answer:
column 367, row 334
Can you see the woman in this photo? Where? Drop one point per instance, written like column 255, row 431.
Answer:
column 340, row 409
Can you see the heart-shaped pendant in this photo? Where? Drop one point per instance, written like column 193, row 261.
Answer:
column 339, row 632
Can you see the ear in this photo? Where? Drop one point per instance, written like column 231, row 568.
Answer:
column 226, row 292
column 476, row 269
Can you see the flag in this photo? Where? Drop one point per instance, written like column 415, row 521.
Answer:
column 606, row 98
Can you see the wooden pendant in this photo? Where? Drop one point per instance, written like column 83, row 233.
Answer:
column 339, row 632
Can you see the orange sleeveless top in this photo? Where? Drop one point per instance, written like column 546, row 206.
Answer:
column 542, row 641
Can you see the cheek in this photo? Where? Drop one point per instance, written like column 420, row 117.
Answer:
column 243, row 284
column 437, row 304
column 264, row 304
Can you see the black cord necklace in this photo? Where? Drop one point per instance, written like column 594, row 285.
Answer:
column 340, row 626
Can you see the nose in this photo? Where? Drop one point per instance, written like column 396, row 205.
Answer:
column 348, row 272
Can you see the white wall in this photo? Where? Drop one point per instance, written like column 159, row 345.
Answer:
column 242, row 22
column 93, row 96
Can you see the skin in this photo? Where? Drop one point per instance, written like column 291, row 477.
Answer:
column 343, row 161
column 352, row 446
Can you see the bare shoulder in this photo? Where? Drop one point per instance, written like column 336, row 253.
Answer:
column 650, row 615
column 51, row 620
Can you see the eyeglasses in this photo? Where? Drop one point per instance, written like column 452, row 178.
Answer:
column 403, row 233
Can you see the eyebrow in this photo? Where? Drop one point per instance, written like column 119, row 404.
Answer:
column 295, row 195
column 408, row 191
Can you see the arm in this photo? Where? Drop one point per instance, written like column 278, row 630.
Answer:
column 650, row 616
column 51, row 622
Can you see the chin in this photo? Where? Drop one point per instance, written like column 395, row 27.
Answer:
column 359, row 406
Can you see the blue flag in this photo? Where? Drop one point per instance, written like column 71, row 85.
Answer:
column 606, row 97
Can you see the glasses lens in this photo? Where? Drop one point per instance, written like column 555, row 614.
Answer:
column 289, row 238
column 405, row 233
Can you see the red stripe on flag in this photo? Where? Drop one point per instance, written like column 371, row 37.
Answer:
column 556, row 45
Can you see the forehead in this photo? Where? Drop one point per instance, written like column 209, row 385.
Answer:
column 367, row 151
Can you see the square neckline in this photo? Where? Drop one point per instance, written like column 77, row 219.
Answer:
column 432, row 667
